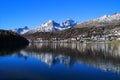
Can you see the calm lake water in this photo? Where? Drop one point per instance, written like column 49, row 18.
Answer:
column 63, row 61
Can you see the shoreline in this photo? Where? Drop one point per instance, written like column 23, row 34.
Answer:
column 106, row 41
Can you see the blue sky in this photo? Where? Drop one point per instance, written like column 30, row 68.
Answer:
column 32, row 13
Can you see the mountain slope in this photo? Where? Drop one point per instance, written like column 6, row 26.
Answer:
column 103, row 21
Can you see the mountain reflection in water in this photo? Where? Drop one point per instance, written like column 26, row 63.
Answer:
column 61, row 61
column 102, row 56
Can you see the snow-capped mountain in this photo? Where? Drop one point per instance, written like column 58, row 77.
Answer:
column 52, row 26
column 21, row 30
column 108, row 18
column 46, row 27
column 104, row 20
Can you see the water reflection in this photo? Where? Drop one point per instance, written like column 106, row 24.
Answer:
column 61, row 61
column 10, row 49
column 99, row 55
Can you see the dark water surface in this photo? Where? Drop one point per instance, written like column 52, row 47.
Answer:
column 68, row 61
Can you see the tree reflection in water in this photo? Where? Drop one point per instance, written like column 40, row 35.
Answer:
column 10, row 49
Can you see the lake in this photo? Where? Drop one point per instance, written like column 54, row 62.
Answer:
column 61, row 61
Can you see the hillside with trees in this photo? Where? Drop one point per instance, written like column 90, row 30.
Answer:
column 10, row 39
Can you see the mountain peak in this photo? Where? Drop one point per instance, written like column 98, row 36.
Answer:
column 50, row 21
